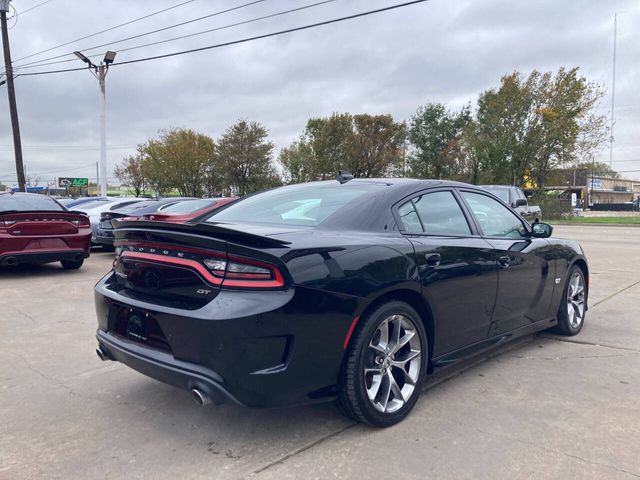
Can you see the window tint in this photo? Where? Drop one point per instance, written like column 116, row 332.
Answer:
column 304, row 205
column 409, row 218
column 441, row 214
column 501, row 192
column 495, row 219
column 188, row 206
column 28, row 202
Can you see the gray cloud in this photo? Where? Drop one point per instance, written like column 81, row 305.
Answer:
column 443, row 50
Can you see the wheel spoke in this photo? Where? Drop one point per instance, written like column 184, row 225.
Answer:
column 393, row 387
column 386, row 391
column 406, row 359
column 406, row 338
column 397, row 327
column 372, row 391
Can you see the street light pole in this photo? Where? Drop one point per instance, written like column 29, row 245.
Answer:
column 100, row 72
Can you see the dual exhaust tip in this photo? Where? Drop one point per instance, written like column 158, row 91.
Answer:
column 200, row 397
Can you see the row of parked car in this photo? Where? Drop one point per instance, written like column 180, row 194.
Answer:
column 38, row 229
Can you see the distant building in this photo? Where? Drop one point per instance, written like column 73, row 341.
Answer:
column 601, row 191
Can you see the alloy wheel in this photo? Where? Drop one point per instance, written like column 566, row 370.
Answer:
column 392, row 364
column 575, row 300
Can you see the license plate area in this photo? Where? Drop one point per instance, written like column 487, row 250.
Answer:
column 139, row 326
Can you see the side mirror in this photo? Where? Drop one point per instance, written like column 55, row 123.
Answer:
column 541, row 230
column 521, row 202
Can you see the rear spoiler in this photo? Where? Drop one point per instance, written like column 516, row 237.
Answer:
column 122, row 227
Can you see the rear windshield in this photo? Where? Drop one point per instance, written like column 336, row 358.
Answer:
column 188, row 206
column 26, row 203
column 302, row 205
column 93, row 204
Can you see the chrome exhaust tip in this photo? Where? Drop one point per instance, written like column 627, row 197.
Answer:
column 102, row 355
column 200, row 397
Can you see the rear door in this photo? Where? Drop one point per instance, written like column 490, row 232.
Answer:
column 456, row 266
column 526, row 265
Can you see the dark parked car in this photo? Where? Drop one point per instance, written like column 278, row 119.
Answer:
column 515, row 197
column 354, row 291
column 104, row 234
column 35, row 229
column 188, row 210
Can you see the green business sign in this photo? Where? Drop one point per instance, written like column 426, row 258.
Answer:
column 66, row 182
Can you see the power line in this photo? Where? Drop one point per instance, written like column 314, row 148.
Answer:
column 243, row 40
column 106, row 29
column 181, row 37
column 169, row 27
column 33, row 8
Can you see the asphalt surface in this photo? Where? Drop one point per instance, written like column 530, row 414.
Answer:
column 545, row 407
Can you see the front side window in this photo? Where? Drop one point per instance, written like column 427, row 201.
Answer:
column 494, row 219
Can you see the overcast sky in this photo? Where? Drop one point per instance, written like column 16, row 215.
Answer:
column 442, row 50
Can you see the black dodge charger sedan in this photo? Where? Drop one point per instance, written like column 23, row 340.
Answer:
column 340, row 290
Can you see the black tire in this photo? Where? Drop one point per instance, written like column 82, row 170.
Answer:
column 72, row 264
column 568, row 324
column 353, row 399
column 108, row 248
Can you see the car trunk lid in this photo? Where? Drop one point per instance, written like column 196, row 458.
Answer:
column 186, row 265
column 42, row 223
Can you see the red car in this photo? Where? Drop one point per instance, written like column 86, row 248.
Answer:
column 184, row 211
column 36, row 229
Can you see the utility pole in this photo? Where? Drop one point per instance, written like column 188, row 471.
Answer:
column 13, row 110
column 97, row 178
column 100, row 72
column 613, row 87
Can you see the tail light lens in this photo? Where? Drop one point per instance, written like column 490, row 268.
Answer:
column 245, row 273
column 82, row 222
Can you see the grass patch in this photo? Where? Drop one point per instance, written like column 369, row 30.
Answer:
column 599, row 220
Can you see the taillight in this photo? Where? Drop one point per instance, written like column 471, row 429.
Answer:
column 82, row 222
column 244, row 273
column 217, row 268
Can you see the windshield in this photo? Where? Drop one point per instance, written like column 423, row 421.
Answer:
column 300, row 205
column 501, row 193
column 188, row 206
column 26, row 203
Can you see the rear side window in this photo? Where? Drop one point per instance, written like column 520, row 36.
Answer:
column 436, row 213
column 495, row 219
column 26, row 203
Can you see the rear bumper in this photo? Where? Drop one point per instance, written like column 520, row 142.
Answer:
column 20, row 258
column 103, row 237
column 164, row 367
column 258, row 349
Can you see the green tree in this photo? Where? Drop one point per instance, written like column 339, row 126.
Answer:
column 131, row 174
column 245, row 156
column 375, row 147
column 532, row 125
column 434, row 133
column 179, row 159
column 297, row 162
column 329, row 139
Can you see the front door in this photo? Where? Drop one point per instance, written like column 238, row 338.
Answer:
column 526, row 267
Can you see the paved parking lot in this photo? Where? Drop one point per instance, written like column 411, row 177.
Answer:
column 548, row 407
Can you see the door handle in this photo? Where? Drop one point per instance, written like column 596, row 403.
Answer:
column 433, row 259
column 504, row 261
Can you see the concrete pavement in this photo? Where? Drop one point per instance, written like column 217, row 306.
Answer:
column 548, row 407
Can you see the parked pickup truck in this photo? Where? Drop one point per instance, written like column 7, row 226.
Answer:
column 516, row 198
